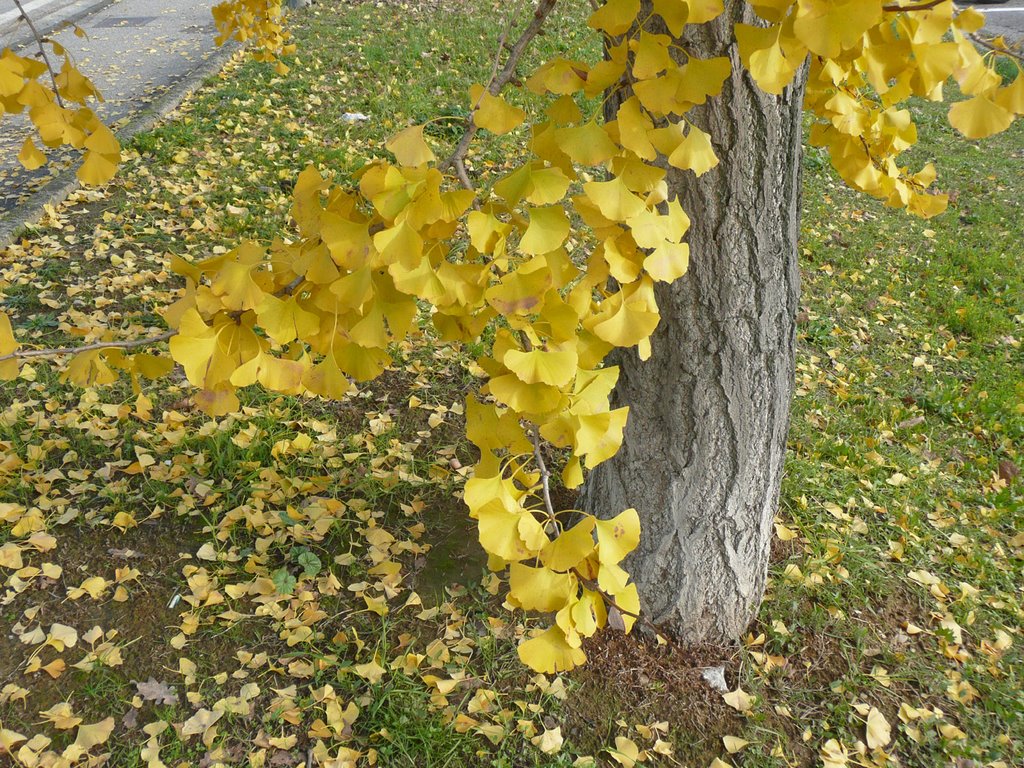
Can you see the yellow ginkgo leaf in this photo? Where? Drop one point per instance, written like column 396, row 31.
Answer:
column 701, row 78
column 614, row 199
column 734, row 744
column 74, row 86
column 668, row 262
column 633, row 126
column 61, row 636
column 627, row 324
column 8, row 345
column 739, row 700
column 494, row 113
column 626, row 752
column 651, row 55
column 589, row 613
column 88, row 369
column 674, row 14
column 327, row 379
column 30, row 156
column 548, row 229
column 539, row 366
column 599, row 435
column 571, row 547
column 89, row 736
column 499, row 532
column 879, row 732
column 481, row 492
column 772, row 10
column 702, row 11
column 200, row 722
column 979, row 117
column 615, row 17
column 519, row 293
column 694, row 153
column 550, row 653
column 284, row 320
column 587, row 144
column 96, row 169
column 539, row 589
column 559, row 76
column 410, row 148
column 361, row 363
column 550, row 741
column 829, row 27
column 489, row 427
column 101, row 158
column 61, row 716
column 525, row 398
column 764, row 57
column 618, row 537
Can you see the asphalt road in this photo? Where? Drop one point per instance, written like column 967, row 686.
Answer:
column 135, row 50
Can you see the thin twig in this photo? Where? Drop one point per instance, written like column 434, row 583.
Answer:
column 542, row 467
column 545, row 474
column 995, row 48
column 920, row 7
column 21, row 354
column 497, row 55
column 42, row 52
column 131, row 343
column 498, row 82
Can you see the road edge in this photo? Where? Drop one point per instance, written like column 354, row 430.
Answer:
column 64, row 184
column 28, row 39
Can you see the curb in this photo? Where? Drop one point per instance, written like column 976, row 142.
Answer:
column 61, row 186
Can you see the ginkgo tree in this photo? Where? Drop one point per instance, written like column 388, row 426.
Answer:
column 659, row 383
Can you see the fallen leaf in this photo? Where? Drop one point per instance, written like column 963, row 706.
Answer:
column 161, row 693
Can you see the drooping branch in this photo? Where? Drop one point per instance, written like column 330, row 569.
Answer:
column 23, row 354
column 20, row 354
column 499, row 80
column 42, row 53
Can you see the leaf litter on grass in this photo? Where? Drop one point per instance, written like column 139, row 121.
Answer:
column 269, row 587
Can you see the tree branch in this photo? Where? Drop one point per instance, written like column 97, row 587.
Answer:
column 287, row 290
column 22, row 354
column 545, row 474
column 995, row 48
column 42, row 52
column 920, row 7
column 502, row 78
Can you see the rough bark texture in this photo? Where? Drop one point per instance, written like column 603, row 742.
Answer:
column 709, row 411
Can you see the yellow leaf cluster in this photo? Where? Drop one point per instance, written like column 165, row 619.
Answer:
column 57, row 124
column 865, row 61
column 259, row 22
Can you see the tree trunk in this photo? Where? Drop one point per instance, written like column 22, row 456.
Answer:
column 709, row 411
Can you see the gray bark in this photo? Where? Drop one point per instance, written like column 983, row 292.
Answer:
column 703, row 453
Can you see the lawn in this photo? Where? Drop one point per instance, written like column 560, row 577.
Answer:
column 298, row 584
